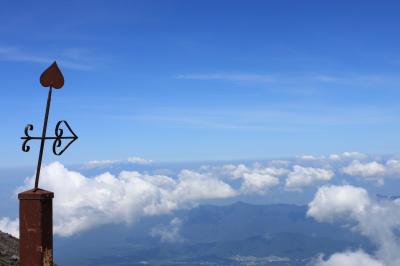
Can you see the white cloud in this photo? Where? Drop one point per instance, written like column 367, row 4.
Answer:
column 169, row 233
column 138, row 160
column 190, row 188
column 373, row 170
column 100, row 163
column 356, row 258
column 370, row 169
column 234, row 171
column 334, row 157
column 258, row 183
column 348, row 156
column 311, row 157
column 331, row 202
column 82, row 203
column 354, row 155
column 10, row 226
column 377, row 220
column 279, row 162
column 393, row 167
column 308, row 157
column 305, row 176
column 108, row 163
column 257, row 179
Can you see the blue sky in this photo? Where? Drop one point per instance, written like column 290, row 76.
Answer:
column 203, row 80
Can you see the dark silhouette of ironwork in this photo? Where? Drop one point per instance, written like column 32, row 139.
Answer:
column 53, row 79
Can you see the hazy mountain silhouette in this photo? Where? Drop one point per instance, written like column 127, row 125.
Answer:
column 237, row 234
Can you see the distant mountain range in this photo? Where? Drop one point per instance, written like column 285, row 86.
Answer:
column 385, row 197
column 237, row 234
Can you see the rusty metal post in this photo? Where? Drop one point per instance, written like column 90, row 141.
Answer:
column 36, row 228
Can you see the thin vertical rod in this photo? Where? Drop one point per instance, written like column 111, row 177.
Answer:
column 46, row 118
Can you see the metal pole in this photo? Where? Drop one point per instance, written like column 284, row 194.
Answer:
column 43, row 139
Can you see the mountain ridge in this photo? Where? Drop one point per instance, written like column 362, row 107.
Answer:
column 8, row 250
column 237, row 234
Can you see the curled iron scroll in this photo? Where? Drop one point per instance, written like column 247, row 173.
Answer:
column 59, row 137
column 25, row 146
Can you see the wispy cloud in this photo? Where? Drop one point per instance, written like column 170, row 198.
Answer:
column 229, row 77
column 69, row 58
column 168, row 233
column 286, row 118
column 108, row 163
column 353, row 79
column 139, row 160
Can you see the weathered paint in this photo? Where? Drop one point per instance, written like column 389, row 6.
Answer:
column 36, row 228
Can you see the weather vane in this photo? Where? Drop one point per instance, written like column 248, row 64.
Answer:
column 51, row 78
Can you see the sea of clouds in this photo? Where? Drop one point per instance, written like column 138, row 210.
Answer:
column 85, row 202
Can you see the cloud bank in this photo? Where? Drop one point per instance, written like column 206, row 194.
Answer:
column 82, row 203
column 377, row 220
column 373, row 170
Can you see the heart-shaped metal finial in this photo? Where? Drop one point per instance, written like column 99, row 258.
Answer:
column 52, row 77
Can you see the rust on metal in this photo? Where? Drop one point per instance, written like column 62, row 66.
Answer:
column 36, row 228
column 48, row 257
column 52, row 77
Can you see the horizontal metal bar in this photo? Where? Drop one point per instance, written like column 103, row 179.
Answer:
column 48, row 138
